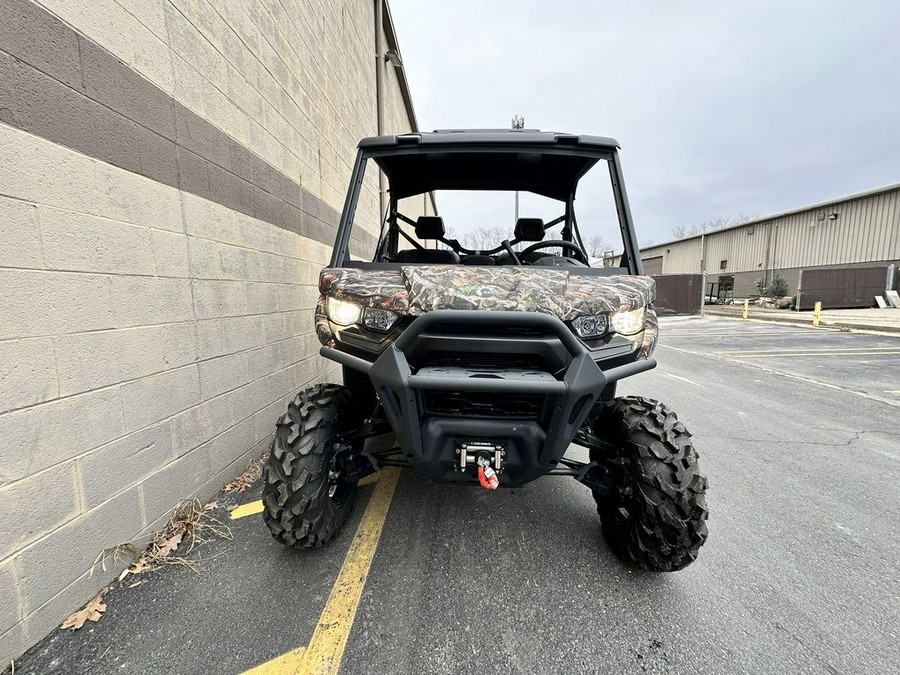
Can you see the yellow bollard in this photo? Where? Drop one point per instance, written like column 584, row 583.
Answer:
column 746, row 308
column 816, row 313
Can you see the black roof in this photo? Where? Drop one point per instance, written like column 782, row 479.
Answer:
column 523, row 136
column 544, row 162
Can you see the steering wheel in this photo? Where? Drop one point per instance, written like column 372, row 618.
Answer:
column 551, row 243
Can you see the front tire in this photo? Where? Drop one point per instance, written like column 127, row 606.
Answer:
column 655, row 513
column 305, row 499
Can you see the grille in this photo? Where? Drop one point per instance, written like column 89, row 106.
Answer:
column 484, row 404
column 490, row 330
column 486, row 360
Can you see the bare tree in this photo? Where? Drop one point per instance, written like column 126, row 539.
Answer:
column 596, row 247
column 681, row 231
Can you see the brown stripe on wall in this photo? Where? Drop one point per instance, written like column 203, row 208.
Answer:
column 57, row 84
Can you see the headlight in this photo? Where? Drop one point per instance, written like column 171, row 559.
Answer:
column 590, row 326
column 629, row 323
column 343, row 312
column 379, row 319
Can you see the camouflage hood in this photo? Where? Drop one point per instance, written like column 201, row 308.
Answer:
column 417, row 289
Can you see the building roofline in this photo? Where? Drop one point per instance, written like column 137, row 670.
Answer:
column 782, row 214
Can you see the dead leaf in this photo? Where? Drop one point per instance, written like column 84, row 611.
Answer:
column 210, row 506
column 140, row 565
column 92, row 611
column 231, row 507
column 135, row 584
column 170, row 544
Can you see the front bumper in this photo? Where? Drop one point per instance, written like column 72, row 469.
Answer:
column 437, row 401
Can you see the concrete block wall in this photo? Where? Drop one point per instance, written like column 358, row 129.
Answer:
column 170, row 180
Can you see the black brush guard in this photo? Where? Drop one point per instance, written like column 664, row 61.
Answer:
column 571, row 385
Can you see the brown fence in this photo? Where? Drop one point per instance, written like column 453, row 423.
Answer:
column 842, row 287
column 679, row 293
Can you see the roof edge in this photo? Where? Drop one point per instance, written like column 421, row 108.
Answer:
column 757, row 221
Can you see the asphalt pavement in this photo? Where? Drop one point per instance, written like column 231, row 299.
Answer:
column 797, row 430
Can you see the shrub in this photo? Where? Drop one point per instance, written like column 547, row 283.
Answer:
column 778, row 288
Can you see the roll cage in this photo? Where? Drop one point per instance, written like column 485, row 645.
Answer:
column 546, row 163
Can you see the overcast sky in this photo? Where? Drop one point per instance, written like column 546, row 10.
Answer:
column 721, row 108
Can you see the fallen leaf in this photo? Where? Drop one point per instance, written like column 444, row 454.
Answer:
column 231, row 507
column 139, row 566
column 210, row 506
column 124, row 574
column 92, row 611
column 135, row 584
column 170, row 544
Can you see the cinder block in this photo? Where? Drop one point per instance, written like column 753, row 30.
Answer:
column 181, row 479
column 170, row 251
column 33, row 506
column 138, row 301
column 196, row 426
column 204, row 257
column 27, row 373
column 13, row 643
column 45, row 173
column 179, row 341
column 206, row 219
column 50, row 433
column 232, row 445
column 91, row 360
column 10, row 614
column 132, row 198
column 40, row 39
column 159, row 157
column 156, row 397
column 115, row 466
column 48, row 108
column 222, row 374
column 215, row 298
column 75, row 241
column 107, row 80
column 262, row 298
column 20, row 240
column 56, row 561
column 48, row 617
column 216, row 337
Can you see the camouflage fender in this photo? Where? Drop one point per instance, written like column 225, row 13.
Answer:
column 419, row 289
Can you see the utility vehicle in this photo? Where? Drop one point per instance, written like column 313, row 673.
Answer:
column 485, row 365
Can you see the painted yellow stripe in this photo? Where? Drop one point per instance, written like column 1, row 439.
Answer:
column 252, row 508
column 248, row 509
column 325, row 649
column 892, row 391
column 368, row 480
column 280, row 665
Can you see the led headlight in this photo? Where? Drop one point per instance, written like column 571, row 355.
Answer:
column 343, row 312
column 379, row 319
column 629, row 323
column 593, row 325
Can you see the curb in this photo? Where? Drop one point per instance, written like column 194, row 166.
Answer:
column 797, row 322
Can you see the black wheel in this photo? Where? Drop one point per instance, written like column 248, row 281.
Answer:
column 305, row 496
column 655, row 513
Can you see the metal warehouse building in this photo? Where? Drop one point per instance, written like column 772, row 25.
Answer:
column 849, row 243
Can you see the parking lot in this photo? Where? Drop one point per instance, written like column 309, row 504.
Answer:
column 797, row 430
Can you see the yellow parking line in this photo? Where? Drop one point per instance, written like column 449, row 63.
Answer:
column 252, row 508
column 892, row 391
column 838, row 350
column 248, row 509
column 280, row 665
column 326, row 648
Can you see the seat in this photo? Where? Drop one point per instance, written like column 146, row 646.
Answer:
column 433, row 256
column 429, row 227
column 475, row 259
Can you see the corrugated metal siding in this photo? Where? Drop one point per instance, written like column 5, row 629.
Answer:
column 865, row 230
